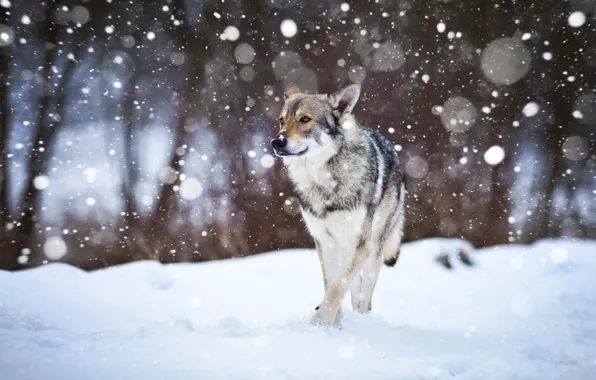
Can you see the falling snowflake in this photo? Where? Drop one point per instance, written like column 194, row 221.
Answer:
column 288, row 28
column 505, row 60
column 575, row 148
column 458, row 114
column 41, row 182
column 494, row 155
column 231, row 33
column 530, row 109
column 576, row 19
column 54, row 248
column 267, row 161
column 191, row 189
column 90, row 174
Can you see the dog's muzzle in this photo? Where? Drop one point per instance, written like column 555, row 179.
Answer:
column 279, row 143
column 281, row 148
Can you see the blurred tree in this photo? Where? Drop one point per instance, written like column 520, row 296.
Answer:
column 494, row 120
column 6, row 55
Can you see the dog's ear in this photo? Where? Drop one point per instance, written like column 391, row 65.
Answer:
column 291, row 89
column 344, row 100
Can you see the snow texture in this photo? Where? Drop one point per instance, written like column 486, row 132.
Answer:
column 521, row 312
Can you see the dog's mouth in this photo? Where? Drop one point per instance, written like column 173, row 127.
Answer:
column 281, row 153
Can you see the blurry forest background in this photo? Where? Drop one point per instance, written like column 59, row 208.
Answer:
column 140, row 129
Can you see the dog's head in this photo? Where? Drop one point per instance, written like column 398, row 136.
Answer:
column 311, row 124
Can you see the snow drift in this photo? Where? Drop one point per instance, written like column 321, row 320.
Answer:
column 521, row 312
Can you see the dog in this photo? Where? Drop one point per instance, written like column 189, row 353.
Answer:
column 351, row 188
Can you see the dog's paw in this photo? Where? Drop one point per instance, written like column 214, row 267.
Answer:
column 326, row 317
column 362, row 306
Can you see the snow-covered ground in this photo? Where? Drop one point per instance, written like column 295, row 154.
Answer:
column 519, row 313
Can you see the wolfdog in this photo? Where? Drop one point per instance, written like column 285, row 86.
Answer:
column 351, row 187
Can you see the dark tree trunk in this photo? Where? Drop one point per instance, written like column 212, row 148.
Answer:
column 133, row 235
column 42, row 142
column 6, row 55
column 184, row 109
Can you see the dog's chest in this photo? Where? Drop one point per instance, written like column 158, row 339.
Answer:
column 339, row 229
column 322, row 190
column 308, row 177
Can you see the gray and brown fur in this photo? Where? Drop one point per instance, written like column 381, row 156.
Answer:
column 351, row 188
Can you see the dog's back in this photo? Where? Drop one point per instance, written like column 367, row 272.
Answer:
column 390, row 182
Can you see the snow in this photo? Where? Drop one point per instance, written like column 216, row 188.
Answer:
column 267, row 161
column 388, row 57
column 417, row 167
column 177, row 58
column 585, row 107
column 244, row 53
column 575, row 148
column 521, row 312
column 128, row 41
column 41, row 182
column 191, row 189
column 458, row 114
column 54, row 248
column 494, row 155
column 577, row 19
column 531, row 109
column 288, row 28
column 168, row 175
column 505, row 61
column 80, row 14
column 6, row 35
column 231, row 33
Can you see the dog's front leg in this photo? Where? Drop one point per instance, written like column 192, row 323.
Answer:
column 324, row 270
column 328, row 312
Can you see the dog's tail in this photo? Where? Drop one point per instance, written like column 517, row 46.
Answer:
column 390, row 258
column 390, row 261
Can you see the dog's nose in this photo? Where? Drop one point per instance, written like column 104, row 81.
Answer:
column 279, row 142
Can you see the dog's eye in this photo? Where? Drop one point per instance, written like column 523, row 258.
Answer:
column 305, row 119
column 281, row 121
